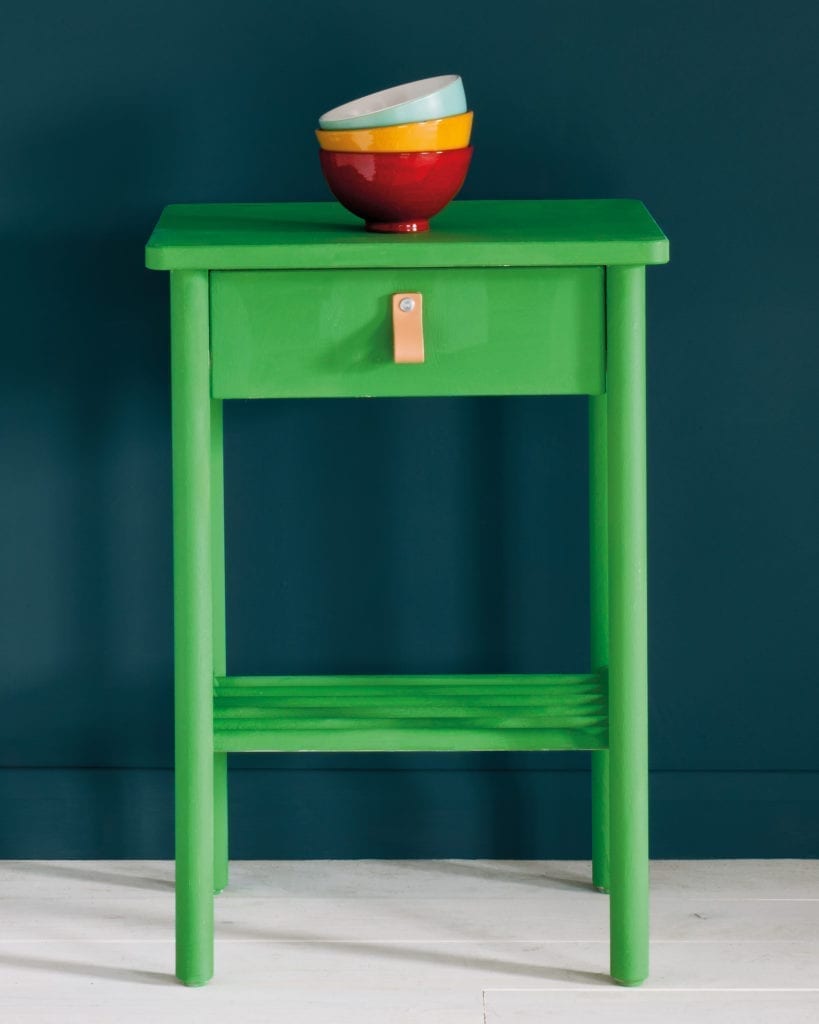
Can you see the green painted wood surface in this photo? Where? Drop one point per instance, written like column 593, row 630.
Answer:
column 478, row 233
column 405, row 713
column 628, row 673
column 193, row 625
column 599, row 615
column 290, row 334
column 505, row 320
column 217, row 563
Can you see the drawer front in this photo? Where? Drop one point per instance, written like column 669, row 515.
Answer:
column 328, row 333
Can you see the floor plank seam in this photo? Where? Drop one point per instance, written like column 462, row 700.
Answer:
column 646, row 989
column 488, row 940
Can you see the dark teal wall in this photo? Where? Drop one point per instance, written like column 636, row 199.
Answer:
column 417, row 536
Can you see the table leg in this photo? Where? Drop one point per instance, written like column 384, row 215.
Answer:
column 628, row 712
column 599, row 607
column 193, row 625
column 217, row 556
column 220, row 822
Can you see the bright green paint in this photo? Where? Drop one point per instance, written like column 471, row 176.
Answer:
column 628, row 672
column 479, row 233
column 217, row 555
column 511, row 712
column 502, row 316
column 599, row 635
column 193, row 625
column 308, row 333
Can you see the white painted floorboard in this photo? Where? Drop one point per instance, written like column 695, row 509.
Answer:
column 479, row 942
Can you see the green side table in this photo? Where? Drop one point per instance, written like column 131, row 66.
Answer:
column 500, row 298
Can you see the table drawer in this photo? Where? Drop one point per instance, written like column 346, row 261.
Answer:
column 328, row 333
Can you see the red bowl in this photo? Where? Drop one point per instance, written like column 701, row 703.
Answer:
column 395, row 191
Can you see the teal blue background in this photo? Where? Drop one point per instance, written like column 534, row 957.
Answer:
column 425, row 535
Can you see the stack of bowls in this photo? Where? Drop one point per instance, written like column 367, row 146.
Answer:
column 397, row 157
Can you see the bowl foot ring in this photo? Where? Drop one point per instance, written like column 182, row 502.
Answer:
column 397, row 226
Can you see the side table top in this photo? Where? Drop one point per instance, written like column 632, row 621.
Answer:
column 475, row 233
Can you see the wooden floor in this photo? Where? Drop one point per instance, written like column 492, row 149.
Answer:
column 393, row 942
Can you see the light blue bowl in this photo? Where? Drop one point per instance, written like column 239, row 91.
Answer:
column 424, row 100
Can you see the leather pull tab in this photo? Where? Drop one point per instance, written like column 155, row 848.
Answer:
column 407, row 327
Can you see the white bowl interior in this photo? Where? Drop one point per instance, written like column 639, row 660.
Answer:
column 387, row 98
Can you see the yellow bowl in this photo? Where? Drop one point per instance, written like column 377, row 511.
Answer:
column 417, row 137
